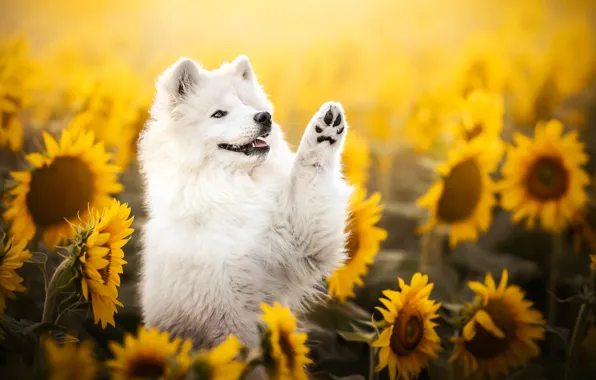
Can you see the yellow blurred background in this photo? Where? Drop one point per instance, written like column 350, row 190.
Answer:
column 397, row 66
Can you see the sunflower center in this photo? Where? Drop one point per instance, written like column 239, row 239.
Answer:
column 146, row 368
column 353, row 243
column 286, row 348
column 408, row 330
column 474, row 132
column 462, row 189
column 547, row 179
column 485, row 345
column 59, row 190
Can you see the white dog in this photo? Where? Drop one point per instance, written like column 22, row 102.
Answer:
column 234, row 217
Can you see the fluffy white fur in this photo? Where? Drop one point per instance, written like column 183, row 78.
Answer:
column 227, row 231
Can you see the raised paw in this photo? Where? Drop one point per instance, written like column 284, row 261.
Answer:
column 329, row 123
column 324, row 136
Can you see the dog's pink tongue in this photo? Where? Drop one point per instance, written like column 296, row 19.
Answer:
column 260, row 143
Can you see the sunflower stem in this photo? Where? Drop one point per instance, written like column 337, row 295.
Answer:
column 52, row 291
column 371, row 363
column 384, row 166
column 578, row 331
column 555, row 258
column 425, row 242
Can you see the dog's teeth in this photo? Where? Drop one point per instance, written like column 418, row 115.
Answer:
column 253, row 144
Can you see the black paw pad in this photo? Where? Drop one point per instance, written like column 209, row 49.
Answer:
column 339, row 131
column 337, row 121
column 328, row 119
column 318, row 129
column 320, row 139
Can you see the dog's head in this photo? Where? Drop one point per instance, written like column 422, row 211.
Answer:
column 222, row 117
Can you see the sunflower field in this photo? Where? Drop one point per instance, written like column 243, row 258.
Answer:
column 472, row 151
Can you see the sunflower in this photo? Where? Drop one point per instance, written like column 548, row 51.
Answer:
column 70, row 361
column 284, row 349
column 593, row 262
column 116, row 111
column 584, row 229
column 543, row 177
column 356, row 159
column 481, row 116
column 482, row 66
column 12, row 256
column 100, row 258
column 61, row 183
column 15, row 72
column 500, row 330
column 362, row 245
column 152, row 354
column 433, row 116
column 219, row 363
column 410, row 340
column 463, row 198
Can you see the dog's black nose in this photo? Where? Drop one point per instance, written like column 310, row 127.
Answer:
column 263, row 118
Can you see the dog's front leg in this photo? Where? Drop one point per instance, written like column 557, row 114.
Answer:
column 311, row 219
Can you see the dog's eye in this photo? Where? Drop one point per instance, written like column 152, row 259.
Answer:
column 219, row 113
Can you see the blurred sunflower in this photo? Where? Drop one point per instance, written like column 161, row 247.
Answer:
column 481, row 116
column 543, row 178
column 152, row 354
column 482, row 66
column 12, row 257
column 61, row 183
column 410, row 341
column 284, row 350
column 99, row 258
column 15, row 74
column 463, row 198
column 362, row 244
column 593, row 262
column 356, row 159
column 219, row 363
column 70, row 361
column 500, row 329
column 137, row 123
column 584, row 229
column 114, row 112
column 433, row 116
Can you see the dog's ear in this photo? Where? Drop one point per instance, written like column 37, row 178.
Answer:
column 243, row 68
column 177, row 81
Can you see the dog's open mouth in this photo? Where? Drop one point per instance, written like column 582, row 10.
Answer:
column 257, row 146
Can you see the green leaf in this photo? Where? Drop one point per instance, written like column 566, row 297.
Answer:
column 358, row 329
column 40, row 328
column 456, row 321
column 62, row 337
column 356, row 337
column 560, row 332
column 454, row 308
column 38, row 258
column 578, row 298
column 374, row 324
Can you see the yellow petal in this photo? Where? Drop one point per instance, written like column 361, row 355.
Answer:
column 484, row 319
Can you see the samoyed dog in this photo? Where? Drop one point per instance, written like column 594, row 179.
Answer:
column 235, row 218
